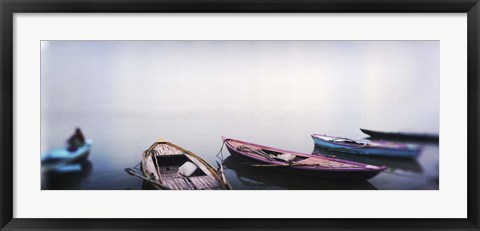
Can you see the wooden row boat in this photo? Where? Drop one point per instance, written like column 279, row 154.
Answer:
column 169, row 166
column 62, row 160
column 301, row 163
column 372, row 148
column 400, row 135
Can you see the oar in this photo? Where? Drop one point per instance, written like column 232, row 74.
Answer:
column 297, row 164
column 133, row 173
column 282, row 165
column 222, row 173
column 259, row 152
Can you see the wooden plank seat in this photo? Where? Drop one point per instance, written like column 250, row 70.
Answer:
column 177, row 181
column 164, row 149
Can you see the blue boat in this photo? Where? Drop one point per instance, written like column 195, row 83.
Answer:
column 377, row 148
column 62, row 160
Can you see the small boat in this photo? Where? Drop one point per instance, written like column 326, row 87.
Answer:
column 380, row 148
column 61, row 160
column 401, row 135
column 168, row 166
column 301, row 163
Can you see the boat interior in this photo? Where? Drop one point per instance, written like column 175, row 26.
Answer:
column 171, row 164
column 167, row 161
column 347, row 141
column 360, row 143
column 267, row 153
column 295, row 159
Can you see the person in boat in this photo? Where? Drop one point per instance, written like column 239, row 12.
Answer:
column 76, row 140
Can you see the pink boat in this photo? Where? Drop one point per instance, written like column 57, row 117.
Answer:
column 301, row 163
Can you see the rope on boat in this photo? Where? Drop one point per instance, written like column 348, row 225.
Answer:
column 137, row 167
column 221, row 152
column 220, row 169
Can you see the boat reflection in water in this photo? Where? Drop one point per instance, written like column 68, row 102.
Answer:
column 243, row 176
column 66, row 180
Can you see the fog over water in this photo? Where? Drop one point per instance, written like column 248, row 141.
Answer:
column 126, row 94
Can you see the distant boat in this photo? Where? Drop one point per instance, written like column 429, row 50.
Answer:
column 61, row 160
column 380, row 148
column 401, row 135
column 301, row 163
column 168, row 166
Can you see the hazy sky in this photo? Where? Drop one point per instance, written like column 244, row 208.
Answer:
column 394, row 80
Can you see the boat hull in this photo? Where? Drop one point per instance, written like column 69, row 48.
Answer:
column 401, row 135
column 344, row 174
column 274, row 180
column 365, row 150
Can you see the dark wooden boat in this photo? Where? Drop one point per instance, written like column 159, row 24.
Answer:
column 301, row 163
column 168, row 166
column 401, row 135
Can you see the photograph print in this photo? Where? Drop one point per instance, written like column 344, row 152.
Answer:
column 240, row 115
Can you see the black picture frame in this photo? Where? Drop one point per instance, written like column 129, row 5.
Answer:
column 9, row 7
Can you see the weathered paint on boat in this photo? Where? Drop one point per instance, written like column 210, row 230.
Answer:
column 61, row 160
column 387, row 149
column 161, row 162
column 304, row 164
column 401, row 135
